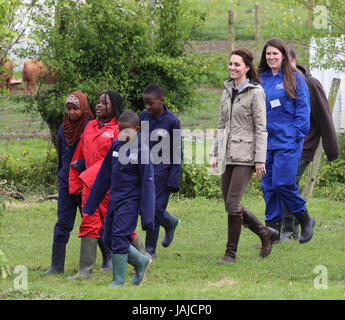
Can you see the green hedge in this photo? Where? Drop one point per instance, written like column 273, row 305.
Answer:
column 40, row 176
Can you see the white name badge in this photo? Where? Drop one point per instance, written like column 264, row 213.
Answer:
column 275, row 103
column 115, row 154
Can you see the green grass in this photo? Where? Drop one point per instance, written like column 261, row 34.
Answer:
column 187, row 269
column 15, row 123
column 273, row 14
column 28, row 150
column 206, row 115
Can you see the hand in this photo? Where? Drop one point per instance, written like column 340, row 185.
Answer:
column 214, row 164
column 260, row 169
column 330, row 163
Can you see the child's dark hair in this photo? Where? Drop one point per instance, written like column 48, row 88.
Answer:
column 154, row 88
column 131, row 117
column 116, row 102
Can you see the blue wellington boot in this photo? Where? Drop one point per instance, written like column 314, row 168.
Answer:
column 106, row 256
column 119, row 269
column 170, row 227
column 151, row 241
column 141, row 264
column 58, row 258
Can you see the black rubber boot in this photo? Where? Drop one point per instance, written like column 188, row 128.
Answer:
column 58, row 258
column 170, row 227
column 290, row 226
column 107, row 263
column 151, row 242
column 307, row 223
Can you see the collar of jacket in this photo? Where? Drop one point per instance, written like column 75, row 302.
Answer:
column 269, row 73
column 163, row 115
column 230, row 84
column 304, row 70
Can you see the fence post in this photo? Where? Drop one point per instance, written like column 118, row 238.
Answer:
column 231, row 23
column 310, row 8
column 314, row 167
column 257, row 22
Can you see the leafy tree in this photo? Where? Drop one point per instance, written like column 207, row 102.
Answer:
column 15, row 16
column 98, row 45
column 323, row 31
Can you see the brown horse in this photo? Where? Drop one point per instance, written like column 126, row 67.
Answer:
column 34, row 71
column 6, row 74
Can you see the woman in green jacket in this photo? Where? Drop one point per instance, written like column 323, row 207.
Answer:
column 240, row 149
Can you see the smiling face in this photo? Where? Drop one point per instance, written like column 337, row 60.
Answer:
column 73, row 112
column 274, row 58
column 153, row 104
column 237, row 68
column 104, row 109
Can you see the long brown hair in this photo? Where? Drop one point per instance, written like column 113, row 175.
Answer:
column 290, row 83
column 247, row 57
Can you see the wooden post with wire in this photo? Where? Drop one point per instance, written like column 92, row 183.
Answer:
column 257, row 22
column 314, row 167
column 231, row 22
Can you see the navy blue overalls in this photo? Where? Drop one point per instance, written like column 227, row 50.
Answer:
column 132, row 192
column 288, row 123
column 67, row 204
column 167, row 174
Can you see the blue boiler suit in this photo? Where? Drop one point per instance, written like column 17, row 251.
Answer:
column 132, row 192
column 288, row 122
column 67, row 204
column 167, row 173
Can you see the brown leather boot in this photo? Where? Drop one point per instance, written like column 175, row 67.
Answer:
column 266, row 234
column 234, row 231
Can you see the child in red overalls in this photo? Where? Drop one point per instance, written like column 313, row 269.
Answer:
column 93, row 146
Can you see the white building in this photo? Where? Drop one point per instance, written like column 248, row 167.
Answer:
column 325, row 77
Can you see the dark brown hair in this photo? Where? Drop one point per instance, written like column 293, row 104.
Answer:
column 290, row 83
column 247, row 57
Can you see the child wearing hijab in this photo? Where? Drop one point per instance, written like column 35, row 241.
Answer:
column 78, row 114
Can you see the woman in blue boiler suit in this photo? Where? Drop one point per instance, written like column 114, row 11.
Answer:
column 288, row 121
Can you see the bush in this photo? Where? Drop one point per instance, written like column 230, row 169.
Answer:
column 197, row 182
column 39, row 176
column 111, row 45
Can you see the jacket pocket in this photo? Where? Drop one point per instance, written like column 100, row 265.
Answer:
column 241, row 149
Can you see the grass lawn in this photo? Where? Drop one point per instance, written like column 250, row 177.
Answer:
column 187, row 269
column 272, row 14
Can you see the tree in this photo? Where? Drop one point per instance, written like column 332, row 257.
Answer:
column 93, row 46
column 323, row 31
column 15, row 16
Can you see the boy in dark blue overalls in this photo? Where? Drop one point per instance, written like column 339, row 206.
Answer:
column 128, row 172
column 165, row 146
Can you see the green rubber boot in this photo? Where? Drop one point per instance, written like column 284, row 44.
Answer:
column 141, row 264
column 88, row 252
column 119, row 269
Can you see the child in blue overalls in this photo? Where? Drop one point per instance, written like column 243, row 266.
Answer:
column 162, row 125
column 128, row 171
column 77, row 116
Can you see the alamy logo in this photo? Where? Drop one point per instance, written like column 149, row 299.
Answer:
column 168, row 147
